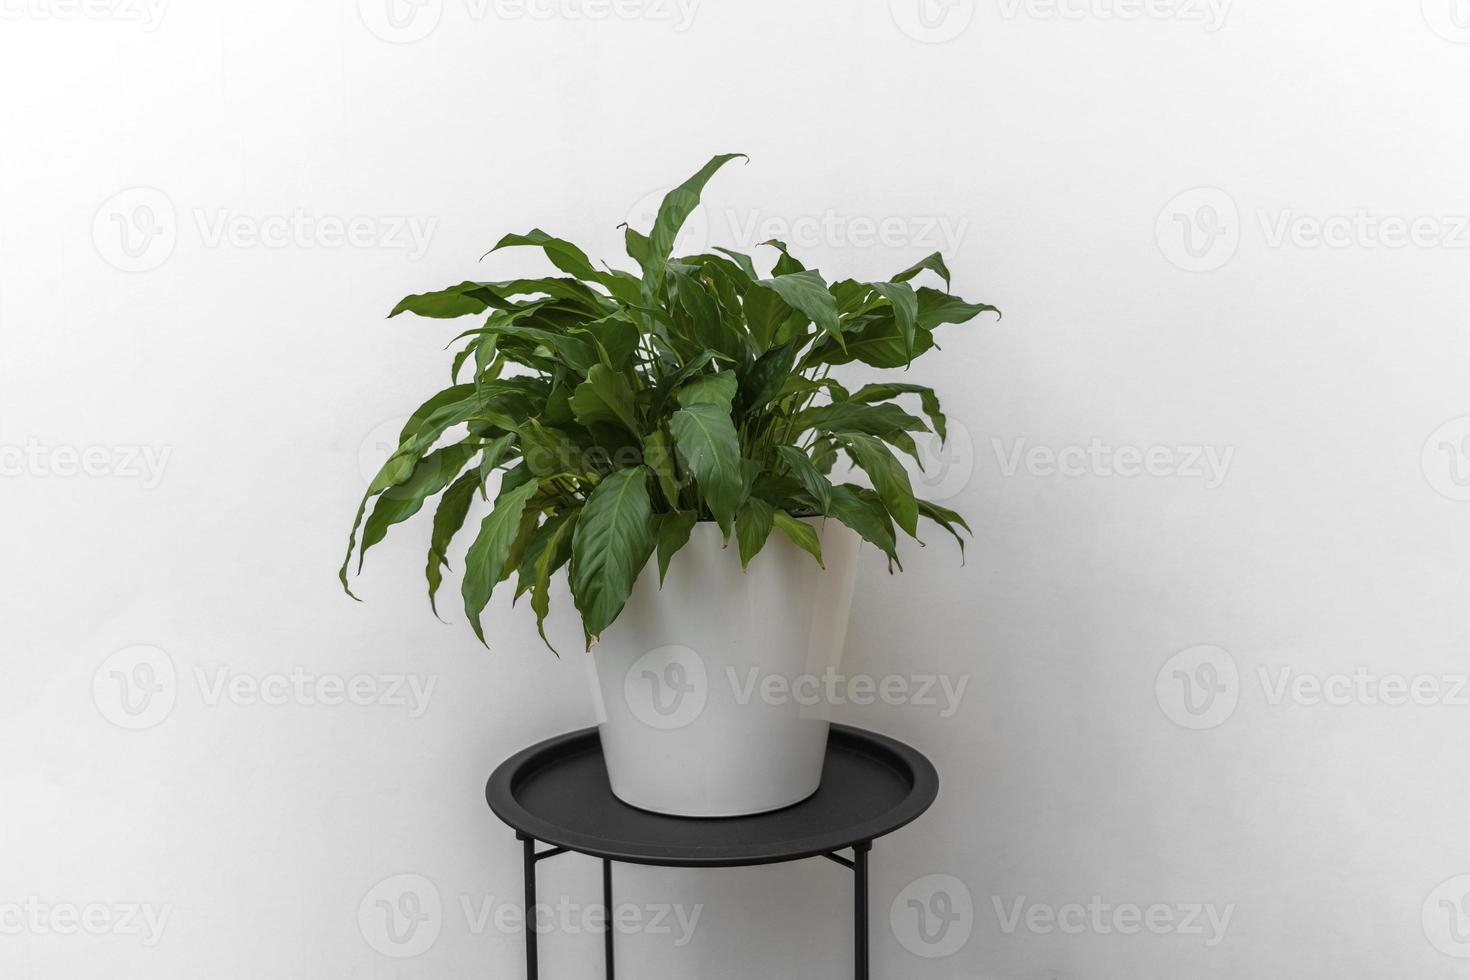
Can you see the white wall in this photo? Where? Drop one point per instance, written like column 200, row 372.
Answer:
column 1330, row 538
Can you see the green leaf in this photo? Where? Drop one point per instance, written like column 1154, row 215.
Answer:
column 449, row 517
column 880, row 344
column 707, row 440
column 855, row 416
column 934, row 263
column 807, row 474
column 946, row 519
column 801, row 534
column 678, row 204
column 485, row 564
column 890, row 480
column 613, row 540
column 673, row 533
column 807, row 293
column 658, row 456
column 927, row 398
column 936, row 308
column 399, row 503
column 766, row 377
column 905, row 303
column 752, row 528
column 709, row 389
column 442, row 304
column 606, row 396
column 864, row 513
column 554, row 552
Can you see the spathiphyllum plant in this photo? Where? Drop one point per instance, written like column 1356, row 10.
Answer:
column 619, row 409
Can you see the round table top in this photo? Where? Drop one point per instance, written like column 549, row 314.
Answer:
column 558, row 792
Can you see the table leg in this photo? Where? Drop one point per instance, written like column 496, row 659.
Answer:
column 530, row 913
column 860, row 908
column 607, row 914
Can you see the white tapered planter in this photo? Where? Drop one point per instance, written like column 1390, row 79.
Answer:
column 710, row 687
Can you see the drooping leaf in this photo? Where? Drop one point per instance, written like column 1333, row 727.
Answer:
column 442, row 304
column 800, row 533
column 449, row 517
column 752, row 528
column 485, row 564
column 554, row 552
column 807, row 474
column 855, row 416
column 612, row 542
column 658, row 456
column 890, row 479
column 927, row 398
column 397, row 504
column 864, row 513
column 933, row 262
column 947, row 519
column 936, row 307
column 905, row 308
column 710, row 447
column 673, row 533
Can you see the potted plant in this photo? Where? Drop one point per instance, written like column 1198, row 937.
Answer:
column 631, row 427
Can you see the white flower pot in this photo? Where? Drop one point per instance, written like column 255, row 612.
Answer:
column 711, row 687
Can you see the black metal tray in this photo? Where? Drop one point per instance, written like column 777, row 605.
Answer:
column 557, row 792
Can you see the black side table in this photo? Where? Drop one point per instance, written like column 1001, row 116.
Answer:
column 557, row 793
